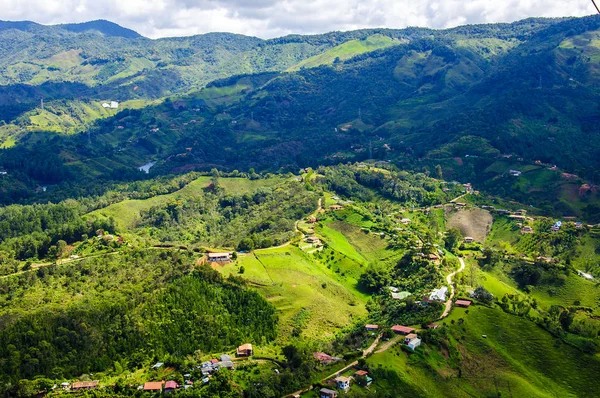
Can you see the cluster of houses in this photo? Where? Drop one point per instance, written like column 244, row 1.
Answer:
column 343, row 384
column 411, row 340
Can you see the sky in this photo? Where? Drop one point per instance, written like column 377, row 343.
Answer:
column 271, row 18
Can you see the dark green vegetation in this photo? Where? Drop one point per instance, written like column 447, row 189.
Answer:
column 127, row 308
column 115, row 284
column 416, row 97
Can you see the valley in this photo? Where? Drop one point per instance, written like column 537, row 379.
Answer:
column 361, row 213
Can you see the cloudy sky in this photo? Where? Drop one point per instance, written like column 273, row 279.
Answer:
column 271, row 18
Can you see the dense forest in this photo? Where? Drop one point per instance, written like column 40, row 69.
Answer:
column 160, row 308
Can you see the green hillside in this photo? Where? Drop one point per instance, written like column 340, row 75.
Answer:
column 347, row 50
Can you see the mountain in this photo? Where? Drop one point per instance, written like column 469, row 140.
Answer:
column 105, row 28
column 416, row 97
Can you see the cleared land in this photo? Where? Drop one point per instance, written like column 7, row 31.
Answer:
column 473, row 222
column 309, row 296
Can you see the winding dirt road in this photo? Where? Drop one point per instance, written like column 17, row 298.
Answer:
column 451, row 283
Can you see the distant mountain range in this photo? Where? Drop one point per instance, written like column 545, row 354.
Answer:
column 106, row 28
column 413, row 96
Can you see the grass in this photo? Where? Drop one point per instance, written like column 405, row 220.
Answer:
column 574, row 288
column 346, row 50
column 518, row 351
column 306, row 293
column 127, row 212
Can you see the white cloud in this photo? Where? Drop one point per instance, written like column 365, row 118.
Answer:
column 271, row 18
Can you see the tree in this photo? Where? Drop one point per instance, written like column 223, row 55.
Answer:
column 246, row 244
column 453, row 238
column 438, row 172
column 483, row 295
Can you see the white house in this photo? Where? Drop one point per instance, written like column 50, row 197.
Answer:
column 414, row 343
column 106, row 105
column 219, row 257
column 114, row 105
column 469, row 239
column 439, row 294
column 514, row 173
column 343, row 382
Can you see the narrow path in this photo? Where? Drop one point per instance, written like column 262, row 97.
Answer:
column 451, row 283
column 366, row 353
column 296, row 229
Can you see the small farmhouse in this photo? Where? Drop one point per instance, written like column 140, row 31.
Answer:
column 171, row 386
column 399, row 329
column 327, row 393
column 462, row 303
column 343, row 382
column 245, row 350
column 439, row 294
column 371, row 328
column 219, row 257
column 469, row 239
column 84, row 385
column 153, row 386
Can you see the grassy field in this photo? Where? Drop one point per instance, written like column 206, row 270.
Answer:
column 127, row 212
column 347, row 50
column 524, row 359
column 309, row 296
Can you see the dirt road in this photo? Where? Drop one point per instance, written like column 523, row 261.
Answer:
column 451, row 283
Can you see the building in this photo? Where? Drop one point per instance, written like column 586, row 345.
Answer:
column 399, row 329
column 225, row 357
column 365, row 374
column 325, row 359
column 225, row 364
column 439, row 294
column 171, row 386
column 327, row 393
column 343, row 383
column 556, row 226
column 527, row 230
column 371, row 328
column 433, row 257
column 106, row 105
column 433, row 326
column 414, row 343
column 114, row 105
column 462, row 303
column 336, row 207
column 514, row 173
column 153, row 386
column 585, row 275
column 245, row 350
column 84, row 385
column 469, row 239
column 400, row 295
column 409, row 337
column 219, row 257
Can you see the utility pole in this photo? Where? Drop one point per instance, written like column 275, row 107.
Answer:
column 42, row 104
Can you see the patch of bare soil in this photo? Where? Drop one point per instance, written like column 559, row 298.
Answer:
column 473, row 222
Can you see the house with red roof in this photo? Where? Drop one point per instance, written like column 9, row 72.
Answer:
column 399, row 329
column 171, row 386
column 462, row 303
